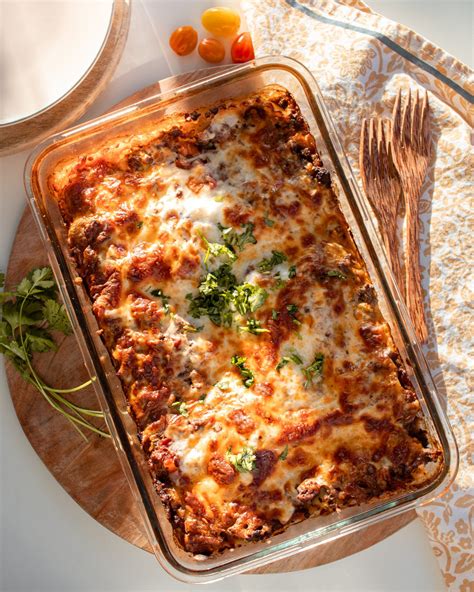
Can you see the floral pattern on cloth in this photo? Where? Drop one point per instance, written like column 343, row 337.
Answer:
column 344, row 44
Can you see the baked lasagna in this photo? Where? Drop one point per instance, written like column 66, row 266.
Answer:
column 242, row 322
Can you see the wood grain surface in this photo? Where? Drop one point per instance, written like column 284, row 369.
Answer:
column 90, row 471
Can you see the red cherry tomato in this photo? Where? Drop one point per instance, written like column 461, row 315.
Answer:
column 242, row 49
column 183, row 40
column 211, row 50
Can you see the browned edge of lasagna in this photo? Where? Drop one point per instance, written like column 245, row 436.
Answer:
column 242, row 322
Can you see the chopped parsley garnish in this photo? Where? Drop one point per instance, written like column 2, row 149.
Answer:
column 266, row 265
column 253, row 326
column 215, row 296
column 202, row 398
column 181, row 408
column 217, row 250
column 279, row 283
column 292, row 310
column 233, row 240
column 292, row 271
column 337, row 274
column 244, row 461
column 282, row 363
column 275, row 314
column 267, row 221
column 284, row 453
column 188, row 328
column 157, row 293
column 315, row 370
column 246, row 373
column 248, row 297
column 292, row 357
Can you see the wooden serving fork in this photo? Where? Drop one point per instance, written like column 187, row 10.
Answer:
column 411, row 149
column 382, row 186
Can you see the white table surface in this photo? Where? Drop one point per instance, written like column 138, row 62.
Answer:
column 48, row 543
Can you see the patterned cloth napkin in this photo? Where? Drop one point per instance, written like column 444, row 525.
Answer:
column 360, row 59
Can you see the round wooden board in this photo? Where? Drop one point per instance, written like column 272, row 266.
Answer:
column 90, row 471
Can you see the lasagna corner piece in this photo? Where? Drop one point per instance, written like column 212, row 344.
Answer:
column 240, row 317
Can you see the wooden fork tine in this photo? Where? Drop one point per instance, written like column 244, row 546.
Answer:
column 397, row 115
column 417, row 122
column 425, row 125
column 365, row 162
column 382, row 149
column 407, row 120
column 373, row 148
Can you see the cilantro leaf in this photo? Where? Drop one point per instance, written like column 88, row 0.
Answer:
column 267, row 221
column 244, row 461
column 56, row 315
column 217, row 250
column 266, row 265
column 157, row 293
column 246, row 373
column 248, row 298
column 314, row 370
column 40, row 340
column 181, row 408
column 233, row 240
column 253, row 326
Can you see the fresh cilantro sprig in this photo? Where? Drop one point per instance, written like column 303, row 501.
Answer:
column 28, row 315
column 244, row 461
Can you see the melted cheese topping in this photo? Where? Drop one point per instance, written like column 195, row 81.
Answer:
column 317, row 435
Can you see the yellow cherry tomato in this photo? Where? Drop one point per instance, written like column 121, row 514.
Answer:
column 221, row 21
column 183, row 40
column 211, row 50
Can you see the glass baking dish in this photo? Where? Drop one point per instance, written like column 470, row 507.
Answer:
column 314, row 531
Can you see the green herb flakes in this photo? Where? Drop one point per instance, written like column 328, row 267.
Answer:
column 315, row 370
column 253, row 326
column 233, row 239
column 284, row 453
column 244, row 461
column 267, row 220
column 181, row 407
column 248, row 298
column 157, row 293
column 266, row 265
column 247, row 374
column 337, row 274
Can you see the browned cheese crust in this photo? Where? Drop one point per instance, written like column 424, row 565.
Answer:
column 215, row 234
